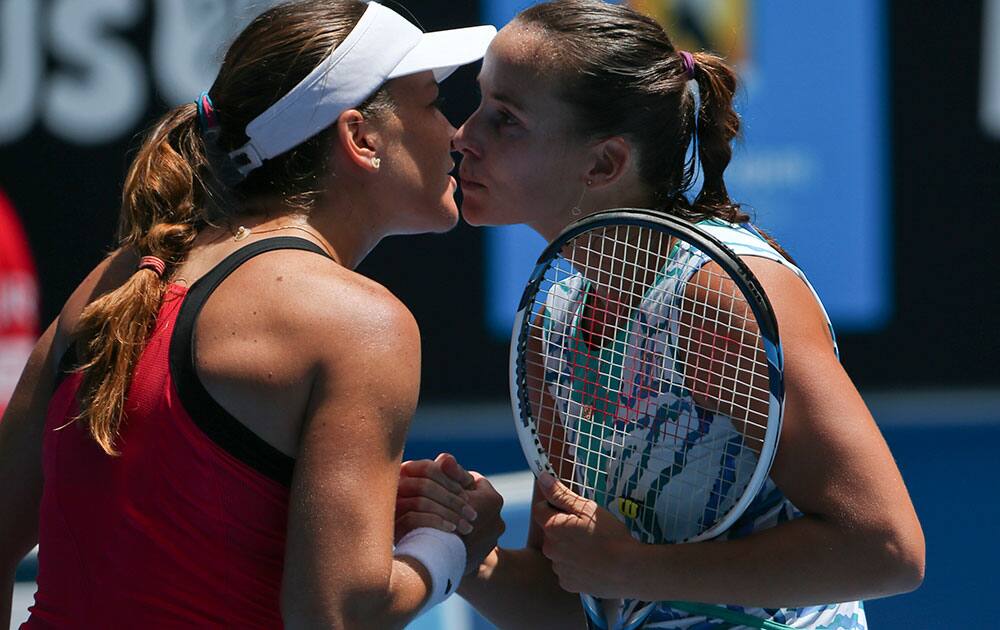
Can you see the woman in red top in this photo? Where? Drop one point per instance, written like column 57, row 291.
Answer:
column 210, row 433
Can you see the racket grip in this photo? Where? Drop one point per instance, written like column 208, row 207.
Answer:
column 638, row 617
column 594, row 612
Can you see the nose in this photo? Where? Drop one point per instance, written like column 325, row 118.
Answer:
column 462, row 142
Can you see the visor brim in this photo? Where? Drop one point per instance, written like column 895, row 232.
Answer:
column 444, row 51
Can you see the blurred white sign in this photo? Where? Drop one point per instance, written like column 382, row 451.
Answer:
column 97, row 89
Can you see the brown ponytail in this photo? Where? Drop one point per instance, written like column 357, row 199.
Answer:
column 718, row 124
column 160, row 217
column 717, row 127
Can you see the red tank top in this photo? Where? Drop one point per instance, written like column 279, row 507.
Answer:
column 186, row 528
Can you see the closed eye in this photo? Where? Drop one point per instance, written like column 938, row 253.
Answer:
column 504, row 118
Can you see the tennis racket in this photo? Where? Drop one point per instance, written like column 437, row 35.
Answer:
column 646, row 375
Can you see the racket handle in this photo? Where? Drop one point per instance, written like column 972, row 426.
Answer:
column 594, row 612
column 638, row 617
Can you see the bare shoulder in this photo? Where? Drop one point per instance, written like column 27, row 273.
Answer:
column 328, row 297
column 800, row 318
column 290, row 331
column 314, row 304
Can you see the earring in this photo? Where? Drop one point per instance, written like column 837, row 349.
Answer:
column 576, row 211
column 376, row 162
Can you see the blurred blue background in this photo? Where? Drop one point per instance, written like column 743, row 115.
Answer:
column 871, row 150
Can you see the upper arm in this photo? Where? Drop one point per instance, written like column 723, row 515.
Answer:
column 340, row 529
column 831, row 460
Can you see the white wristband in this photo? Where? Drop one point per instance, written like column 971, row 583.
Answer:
column 443, row 555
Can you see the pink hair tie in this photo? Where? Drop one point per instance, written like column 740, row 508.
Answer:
column 688, row 60
column 154, row 263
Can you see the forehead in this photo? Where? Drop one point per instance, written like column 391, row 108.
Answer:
column 524, row 47
column 519, row 66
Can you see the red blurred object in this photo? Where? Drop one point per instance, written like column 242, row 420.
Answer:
column 18, row 300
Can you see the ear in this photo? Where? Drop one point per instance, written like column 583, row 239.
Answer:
column 357, row 139
column 612, row 158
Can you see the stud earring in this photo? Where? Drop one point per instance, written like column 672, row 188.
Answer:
column 376, row 162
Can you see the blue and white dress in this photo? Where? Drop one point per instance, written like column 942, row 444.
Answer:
column 652, row 398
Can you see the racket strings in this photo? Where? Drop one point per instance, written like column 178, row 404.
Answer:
column 620, row 365
column 701, row 345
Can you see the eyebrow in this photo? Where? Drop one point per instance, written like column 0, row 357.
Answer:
column 503, row 98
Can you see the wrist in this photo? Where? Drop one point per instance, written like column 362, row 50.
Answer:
column 442, row 554
column 629, row 564
column 482, row 574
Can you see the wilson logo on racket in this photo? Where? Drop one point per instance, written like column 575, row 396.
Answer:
column 629, row 507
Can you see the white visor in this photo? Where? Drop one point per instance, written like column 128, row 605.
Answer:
column 383, row 45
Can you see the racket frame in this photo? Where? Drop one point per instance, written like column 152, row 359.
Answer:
column 735, row 269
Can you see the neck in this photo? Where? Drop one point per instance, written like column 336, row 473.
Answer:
column 349, row 216
column 345, row 223
column 348, row 234
column 551, row 226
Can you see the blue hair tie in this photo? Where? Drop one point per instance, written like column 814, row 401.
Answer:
column 222, row 164
column 206, row 113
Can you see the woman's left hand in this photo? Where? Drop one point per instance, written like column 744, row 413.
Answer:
column 591, row 550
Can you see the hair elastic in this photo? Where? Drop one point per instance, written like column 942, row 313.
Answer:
column 689, row 64
column 206, row 113
column 154, row 263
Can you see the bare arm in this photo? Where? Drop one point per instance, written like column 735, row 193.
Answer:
column 516, row 588
column 512, row 588
column 339, row 566
column 859, row 538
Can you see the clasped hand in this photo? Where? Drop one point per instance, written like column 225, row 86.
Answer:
column 591, row 550
column 441, row 494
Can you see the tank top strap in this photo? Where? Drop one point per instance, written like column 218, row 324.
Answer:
column 211, row 280
column 217, row 423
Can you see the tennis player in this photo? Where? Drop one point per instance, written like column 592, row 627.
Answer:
column 210, row 433
column 588, row 106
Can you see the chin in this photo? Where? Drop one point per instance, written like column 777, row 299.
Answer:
column 478, row 216
column 473, row 213
column 449, row 222
column 445, row 218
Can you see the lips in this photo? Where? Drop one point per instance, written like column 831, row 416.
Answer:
column 466, row 181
